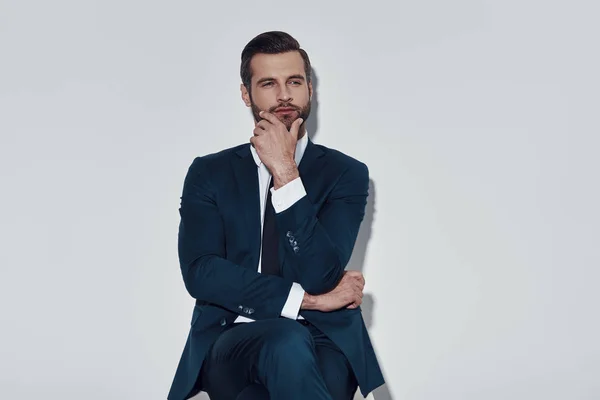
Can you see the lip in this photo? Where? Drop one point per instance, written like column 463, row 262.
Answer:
column 285, row 109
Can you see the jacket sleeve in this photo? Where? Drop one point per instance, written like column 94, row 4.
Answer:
column 207, row 274
column 322, row 241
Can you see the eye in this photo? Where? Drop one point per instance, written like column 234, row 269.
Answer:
column 266, row 84
column 295, row 82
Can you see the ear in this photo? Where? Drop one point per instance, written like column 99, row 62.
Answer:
column 245, row 95
column 310, row 90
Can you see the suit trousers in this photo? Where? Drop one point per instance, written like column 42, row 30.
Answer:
column 276, row 359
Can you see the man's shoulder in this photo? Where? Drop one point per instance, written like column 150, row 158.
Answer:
column 222, row 156
column 342, row 159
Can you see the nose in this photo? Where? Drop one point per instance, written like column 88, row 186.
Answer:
column 284, row 94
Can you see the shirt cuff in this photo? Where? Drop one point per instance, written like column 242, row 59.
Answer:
column 291, row 308
column 285, row 197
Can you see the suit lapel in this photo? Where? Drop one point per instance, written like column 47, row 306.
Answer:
column 246, row 175
column 311, row 163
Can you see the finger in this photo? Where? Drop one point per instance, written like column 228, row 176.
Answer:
column 353, row 275
column 347, row 276
column 356, row 303
column 359, row 294
column 296, row 127
column 362, row 284
column 258, row 131
column 360, row 279
column 263, row 124
column 351, row 297
column 353, row 288
column 359, row 297
column 358, row 285
column 356, row 274
column 355, row 296
column 270, row 117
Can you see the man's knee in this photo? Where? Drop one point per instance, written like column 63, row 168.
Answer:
column 288, row 344
column 288, row 335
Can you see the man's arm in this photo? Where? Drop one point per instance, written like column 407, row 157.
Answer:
column 348, row 293
column 207, row 275
column 323, row 242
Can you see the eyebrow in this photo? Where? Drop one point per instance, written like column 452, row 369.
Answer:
column 297, row 76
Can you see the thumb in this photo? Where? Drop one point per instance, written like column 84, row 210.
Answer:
column 296, row 127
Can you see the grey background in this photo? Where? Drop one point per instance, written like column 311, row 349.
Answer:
column 478, row 121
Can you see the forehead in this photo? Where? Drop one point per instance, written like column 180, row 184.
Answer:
column 280, row 65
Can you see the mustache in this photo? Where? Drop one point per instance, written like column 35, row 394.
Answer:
column 284, row 105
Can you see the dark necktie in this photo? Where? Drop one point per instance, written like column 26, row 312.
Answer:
column 270, row 259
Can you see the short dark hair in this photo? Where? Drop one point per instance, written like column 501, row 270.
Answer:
column 273, row 42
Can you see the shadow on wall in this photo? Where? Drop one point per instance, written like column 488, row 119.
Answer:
column 312, row 124
column 357, row 261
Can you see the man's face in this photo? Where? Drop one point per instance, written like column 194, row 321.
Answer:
column 279, row 86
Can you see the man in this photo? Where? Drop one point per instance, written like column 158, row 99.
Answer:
column 266, row 231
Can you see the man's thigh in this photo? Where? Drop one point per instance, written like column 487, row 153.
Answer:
column 232, row 362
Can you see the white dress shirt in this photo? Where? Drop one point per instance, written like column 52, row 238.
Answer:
column 282, row 198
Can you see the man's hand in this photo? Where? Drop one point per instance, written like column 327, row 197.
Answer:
column 276, row 147
column 348, row 293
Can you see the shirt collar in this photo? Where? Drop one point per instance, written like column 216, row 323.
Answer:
column 300, row 147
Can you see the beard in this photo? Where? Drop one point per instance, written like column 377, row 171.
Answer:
column 287, row 119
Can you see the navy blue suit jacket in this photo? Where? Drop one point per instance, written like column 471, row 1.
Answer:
column 219, row 245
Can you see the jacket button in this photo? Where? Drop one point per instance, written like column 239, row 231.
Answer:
column 223, row 322
column 246, row 310
column 250, row 310
column 289, row 234
column 296, row 249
